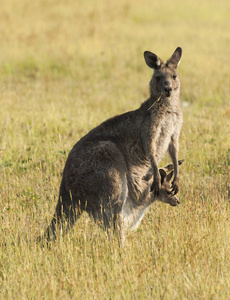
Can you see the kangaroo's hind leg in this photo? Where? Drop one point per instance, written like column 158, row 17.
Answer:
column 106, row 203
column 115, row 216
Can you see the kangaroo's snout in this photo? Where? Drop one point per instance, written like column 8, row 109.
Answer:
column 174, row 202
column 167, row 91
column 167, row 88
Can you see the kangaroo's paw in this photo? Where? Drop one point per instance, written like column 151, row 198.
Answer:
column 155, row 188
column 175, row 186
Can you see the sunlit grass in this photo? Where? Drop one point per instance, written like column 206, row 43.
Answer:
column 66, row 66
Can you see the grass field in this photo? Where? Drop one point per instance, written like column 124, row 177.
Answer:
column 66, row 66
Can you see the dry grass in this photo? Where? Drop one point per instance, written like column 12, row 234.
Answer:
column 65, row 66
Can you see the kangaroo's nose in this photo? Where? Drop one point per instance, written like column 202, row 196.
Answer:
column 168, row 89
column 167, row 86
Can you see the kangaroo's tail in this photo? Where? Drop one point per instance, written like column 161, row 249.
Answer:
column 64, row 217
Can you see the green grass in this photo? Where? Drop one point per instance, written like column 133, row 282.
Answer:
column 66, row 66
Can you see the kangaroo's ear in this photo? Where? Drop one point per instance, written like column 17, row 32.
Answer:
column 163, row 175
column 169, row 176
column 175, row 58
column 152, row 60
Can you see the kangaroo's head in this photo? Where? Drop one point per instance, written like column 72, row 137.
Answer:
column 165, row 80
column 166, row 194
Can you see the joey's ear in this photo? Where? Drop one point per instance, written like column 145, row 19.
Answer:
column 152, row 60
column 175, row 58
column 163, row 175
column 170, row 167
column 180, row 161
column 169, row 176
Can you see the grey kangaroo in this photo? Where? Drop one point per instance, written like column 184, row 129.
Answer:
column 112, row 172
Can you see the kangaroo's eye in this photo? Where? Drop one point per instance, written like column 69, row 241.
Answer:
column 158, row 78
column 174, row 77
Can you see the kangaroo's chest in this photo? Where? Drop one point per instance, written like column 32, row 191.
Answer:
column 167, row 128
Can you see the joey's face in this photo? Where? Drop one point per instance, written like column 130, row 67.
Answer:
column 167, row 196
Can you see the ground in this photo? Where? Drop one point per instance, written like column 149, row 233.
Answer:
column 66, row 66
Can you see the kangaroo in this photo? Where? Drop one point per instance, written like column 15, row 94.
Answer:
column 112, row 172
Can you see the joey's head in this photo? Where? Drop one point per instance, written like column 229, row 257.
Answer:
column 165, row 80
column 166, row 194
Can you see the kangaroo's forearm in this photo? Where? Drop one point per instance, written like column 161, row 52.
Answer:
column 155, row 168
column 173, row 152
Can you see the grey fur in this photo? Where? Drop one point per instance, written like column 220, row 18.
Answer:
column 112, row 172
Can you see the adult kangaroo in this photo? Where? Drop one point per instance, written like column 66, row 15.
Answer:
column 112, row 172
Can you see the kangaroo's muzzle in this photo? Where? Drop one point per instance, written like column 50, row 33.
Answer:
column 167, row 88
column 167, row 91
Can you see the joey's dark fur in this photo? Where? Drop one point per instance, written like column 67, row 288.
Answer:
column 112, row 172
